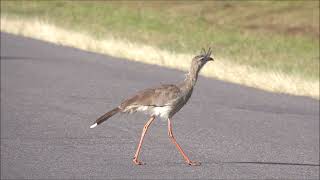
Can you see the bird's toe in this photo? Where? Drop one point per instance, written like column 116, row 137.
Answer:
column 137, row 162
column 194, row 163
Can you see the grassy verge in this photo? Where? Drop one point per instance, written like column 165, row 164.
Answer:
column 268, row 45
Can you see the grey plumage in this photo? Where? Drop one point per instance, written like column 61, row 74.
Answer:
column 167, row 95
column 165, row 100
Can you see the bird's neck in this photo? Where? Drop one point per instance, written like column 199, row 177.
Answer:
column 191, row 78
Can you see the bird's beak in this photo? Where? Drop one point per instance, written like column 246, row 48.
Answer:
column 210, row 59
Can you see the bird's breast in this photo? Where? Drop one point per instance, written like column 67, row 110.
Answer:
column 161, row 111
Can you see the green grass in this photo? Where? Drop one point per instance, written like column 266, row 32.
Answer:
column 275, row 36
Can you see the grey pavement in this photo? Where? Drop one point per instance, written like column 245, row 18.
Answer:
column 51, row 94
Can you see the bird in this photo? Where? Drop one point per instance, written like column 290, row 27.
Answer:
column 163, row 101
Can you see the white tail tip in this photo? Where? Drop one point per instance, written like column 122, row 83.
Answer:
column 93, row 125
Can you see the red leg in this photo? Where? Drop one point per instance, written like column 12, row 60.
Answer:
column 173, row 140
column 144, row 131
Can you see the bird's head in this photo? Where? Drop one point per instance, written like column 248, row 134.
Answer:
column 200, row 60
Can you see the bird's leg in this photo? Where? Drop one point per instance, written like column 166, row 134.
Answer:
column 173, row 140
column 144, row 131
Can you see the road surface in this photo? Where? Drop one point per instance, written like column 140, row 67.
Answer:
column 51, row 94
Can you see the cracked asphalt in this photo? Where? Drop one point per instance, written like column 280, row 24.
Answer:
column 51, row 94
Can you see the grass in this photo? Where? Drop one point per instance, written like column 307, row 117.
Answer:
column 267, row 44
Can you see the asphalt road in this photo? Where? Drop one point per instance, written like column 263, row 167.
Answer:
column 51, row 94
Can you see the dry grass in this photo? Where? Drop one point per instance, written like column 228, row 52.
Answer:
column 221, row 69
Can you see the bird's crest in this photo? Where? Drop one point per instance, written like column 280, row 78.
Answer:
column 205, row 53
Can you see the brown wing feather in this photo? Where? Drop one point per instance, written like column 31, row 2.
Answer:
column 159, row 96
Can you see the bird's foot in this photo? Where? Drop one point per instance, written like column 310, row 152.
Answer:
column 137, row 162
column 194, row 163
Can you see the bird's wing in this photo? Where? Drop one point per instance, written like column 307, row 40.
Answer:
column 160, row 96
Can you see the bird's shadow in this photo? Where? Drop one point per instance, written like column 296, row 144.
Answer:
column 221, row 163
column 265, row 163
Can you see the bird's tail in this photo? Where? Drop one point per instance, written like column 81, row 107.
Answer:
column 105, row 117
